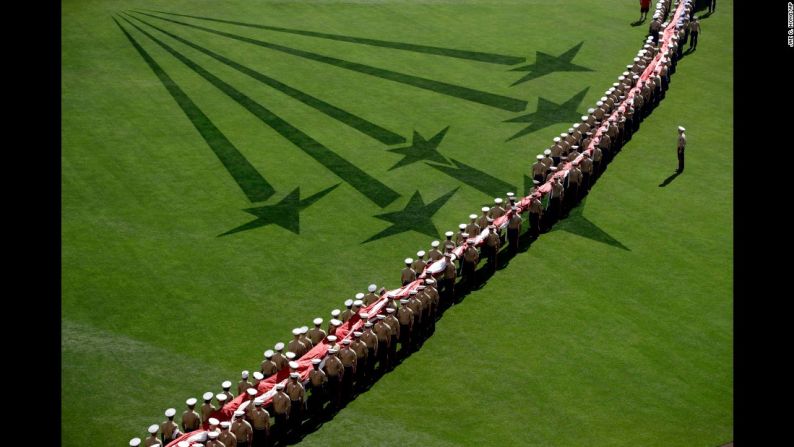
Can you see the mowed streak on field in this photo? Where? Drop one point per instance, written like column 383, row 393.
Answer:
column 632, row 359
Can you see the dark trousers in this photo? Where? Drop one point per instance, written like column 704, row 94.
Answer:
column 490, row 253
column 694, row 42
column 393, row 349
column 534, row 225
column 371, row 359
column 468, row 269
column 512, row 237
column 317, row 399
column 449, row 289
column 281, row 425
column 571, row 195
column 553, row 212
column 334, row 390
column 539, row 178
column 347, row 383
column 405, row 338
column 680, row 161
column 712, row 5
column 383, row 355
column 586, row 178
column 259, row 438
column 296, row 415
column 556, row 160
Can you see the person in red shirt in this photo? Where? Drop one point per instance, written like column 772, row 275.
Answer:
column 644, row 6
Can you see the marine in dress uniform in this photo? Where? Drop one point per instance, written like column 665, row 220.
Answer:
column 405, row 316
column 681, row 148
column 297, row 397
column 391, row 320
column 281, row 407
column 371, row 296
column 360, row 348
column 278, row 356
column 539, row 169
column 470, row 259
column 244, row 383
column 491, row 247
column 260, row 424
column 535, row 214
column 316, row 334
column 334, row 370
column 418, row 266
column 168, row 428
column 318, row 381
column 241, row 429
column 206, row 408
column 472, row 228
column 191, row 420
column 152, row 439
column 513, row 229
column 434, row 254
column 348, row 312
column 268, row 367
column 349, row 361
column 407, row 275
column 371, row 340
column 484, row 220
column 226, row 437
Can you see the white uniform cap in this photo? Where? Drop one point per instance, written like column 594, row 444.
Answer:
column 390, row 310
column 604, row 98
column 403, row 301
column 635, row 77
column 226, row 424
column 360, row 296
column 336, row 322
column 251, row 391
column 590, row 110
column 348, row 303
column 498, row 200
column 213, row 435
column 474, row 216
column 430, row 281
column 346, row 341
column 420, row 253
column 239, row 413
column 412, row 292
column 245, row 374
column 556, row 139
column 208, row 395
column 358, row 303
column 334, row 350
column 290, row 355
column 294, row 375
column 600, row 103
column 221, row 397
column 372, row 287
column 571, row 129
column 304, row 329
column 269, row 353
column 279, row 386
column 183, row 444
column 363, row 315
column 316, row 361
column 621, row 78
column 462, row 226
column 279, row 346
column 408, row 260
column 258, row 375
column 296, row 331
column 636, row 59
column 357, row 334
column 381, row 316
column 214, row 421
column 449, row 234
column 318, row 321
column 153, row 429
column 294, row 365
column 584, row 118
column 192, row 401
column 335, row 313
column 553, row 168
column 368, row 324
column 170, row 412
column 331, row 338
column 135, row 442
column 485, row 208
column 563, row 135
column 681, row 128
column 434, row 244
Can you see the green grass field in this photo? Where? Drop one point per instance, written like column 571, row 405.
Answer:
column 613, row 329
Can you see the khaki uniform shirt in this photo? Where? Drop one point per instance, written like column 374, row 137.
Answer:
column 459, row 239
column 167, row 428
column 244, row 385
column 407, row 275
column 449, row 245
column 297, row 347
column 280, row 360
column 434, row 254
column 586, row 166
column 346, row 315
column 605, row 141
column 405, row 315
column 382, row 331
column 242, row 430
column 535, row 207
column 370, row 339
column 450, row 272
column 470, row 254
column 190, row 421
column 575, row 176
column 418, row 266
column 694, row 27
column 682, row 142
column 416, row 307
column 548, row 161
column 473, row 229
column 492, row 240
column 316, row 335
column 483, row 221
column 497, row 211
column 360, row 348
column 260, row 419
column 268, row 367
column 394, row 324
column 317, row 377
column 206, row 410
column 348, row 357
column 151, row 441
column 370, row 298
column 539, row 168
column 556, row 150
column 333, row 366
column 304, row 338
column 281, row 402
column 227, row 438
column 515, row 222
column 295, row 390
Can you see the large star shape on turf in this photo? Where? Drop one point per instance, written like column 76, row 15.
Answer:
column 579, row 225
column 415, row 216
column 546, row 63
column 421, row 149
column 548, row 113
column 285, row 213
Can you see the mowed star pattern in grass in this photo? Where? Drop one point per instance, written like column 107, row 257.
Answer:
column 157, row 307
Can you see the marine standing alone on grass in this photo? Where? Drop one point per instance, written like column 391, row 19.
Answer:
column 681, row 147
column 644, row 6
column 694, row 31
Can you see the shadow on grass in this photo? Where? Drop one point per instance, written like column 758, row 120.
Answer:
column 637, row 23
column 670, row 179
